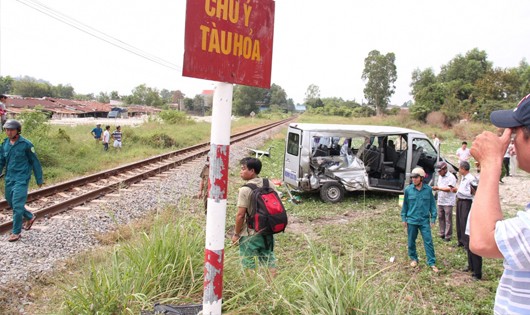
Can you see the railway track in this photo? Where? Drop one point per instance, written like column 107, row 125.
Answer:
column 61, row 197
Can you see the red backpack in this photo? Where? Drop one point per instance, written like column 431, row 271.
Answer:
column 266, row 214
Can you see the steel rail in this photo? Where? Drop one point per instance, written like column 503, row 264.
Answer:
column 195, row 150
column 64, row 186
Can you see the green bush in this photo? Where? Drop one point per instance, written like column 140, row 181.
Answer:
column 160, row 140
column 174, row 117
column 34, row 123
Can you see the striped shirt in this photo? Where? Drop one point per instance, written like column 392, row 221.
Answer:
column 513, row 239
column 116, row 135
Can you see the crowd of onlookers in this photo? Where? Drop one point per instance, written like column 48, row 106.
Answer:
column 480, row 225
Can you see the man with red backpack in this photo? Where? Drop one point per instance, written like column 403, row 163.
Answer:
column 260, row 214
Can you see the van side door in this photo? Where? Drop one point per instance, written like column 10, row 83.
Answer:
column 291, row 163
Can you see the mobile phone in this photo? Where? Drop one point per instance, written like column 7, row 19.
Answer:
column 451, row 186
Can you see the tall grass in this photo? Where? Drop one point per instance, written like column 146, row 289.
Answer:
column 331, row 286
column 165, row 264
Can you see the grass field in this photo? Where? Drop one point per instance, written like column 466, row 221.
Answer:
column 347, row 258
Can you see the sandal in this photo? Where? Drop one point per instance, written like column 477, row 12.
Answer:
column 14, row 237
column 29, row 223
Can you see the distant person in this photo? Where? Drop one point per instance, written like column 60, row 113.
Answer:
column 436, row 142
column 513, row 157
column 117, row 136
column 463, row 153
column 17, row 155
column 463, row 201
column 106, row 138
column 492, row 236
column 419, row 214
column 253, row 247
column 506, row 163
column 446, row 201
column 96, row 132
column 3, row 109
column 203, row 185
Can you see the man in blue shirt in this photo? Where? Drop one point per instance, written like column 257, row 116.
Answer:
column 96, row 132
column 17, row 155
column 419, row 209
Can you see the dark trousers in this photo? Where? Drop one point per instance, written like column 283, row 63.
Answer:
column 463, row 206
column 475, row 263
column 506, row 162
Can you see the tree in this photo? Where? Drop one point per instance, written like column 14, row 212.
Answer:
column 166, row 95
column 500, row 84
column 103, row 97
column 178, row 98
column 84, row 97
column 63, row 91
column 247, row 99
column 31, row 87
column 114, row 96
column 380, row 72
column 6, row 84
column 312, row 95
column 144, row 95
column 428, row 93
column 278, row 96
column 468, row 68
column 198, row 104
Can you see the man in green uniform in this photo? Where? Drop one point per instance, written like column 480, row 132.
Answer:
column 419, row 208
column 17, row 154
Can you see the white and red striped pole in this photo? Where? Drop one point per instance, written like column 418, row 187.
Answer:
column 217, row 194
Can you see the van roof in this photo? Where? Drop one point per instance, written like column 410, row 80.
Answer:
column 360, row 129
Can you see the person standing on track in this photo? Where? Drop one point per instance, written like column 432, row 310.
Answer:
column 17, row 155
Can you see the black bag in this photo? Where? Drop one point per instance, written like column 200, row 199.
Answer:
column 266, row 214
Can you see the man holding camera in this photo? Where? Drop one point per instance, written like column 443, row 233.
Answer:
column 491, row 235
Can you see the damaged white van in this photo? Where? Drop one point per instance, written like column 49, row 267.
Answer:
column 334, row 159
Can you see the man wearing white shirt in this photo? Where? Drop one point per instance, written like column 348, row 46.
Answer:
column 463, row 202
column 446, row 201
column 463, row 153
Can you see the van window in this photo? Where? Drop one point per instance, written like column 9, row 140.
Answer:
column 424, row 145
column 293, row 144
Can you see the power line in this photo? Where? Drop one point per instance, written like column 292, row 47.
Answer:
column 96, row 33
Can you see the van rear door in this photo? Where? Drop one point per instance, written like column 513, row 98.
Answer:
column 291, row 163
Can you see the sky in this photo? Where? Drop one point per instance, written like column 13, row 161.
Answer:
column 315, row 42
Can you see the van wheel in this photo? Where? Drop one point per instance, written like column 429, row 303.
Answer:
column 332, row 192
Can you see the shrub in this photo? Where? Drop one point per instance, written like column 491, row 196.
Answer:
column 161, row 140
column 437, row 119
column 34, row 123
column 174, row 117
